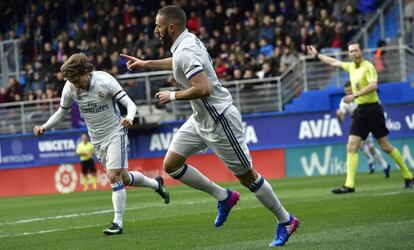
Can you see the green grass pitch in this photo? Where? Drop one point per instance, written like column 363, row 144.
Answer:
column 380, row 215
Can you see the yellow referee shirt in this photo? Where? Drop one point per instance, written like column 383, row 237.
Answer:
column 360, row 77
column 84, row 150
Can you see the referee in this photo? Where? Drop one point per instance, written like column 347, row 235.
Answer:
column 85, row 150
column 368, row 116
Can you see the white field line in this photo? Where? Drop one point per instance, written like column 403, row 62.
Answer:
column 66, row 216
column 47, row 231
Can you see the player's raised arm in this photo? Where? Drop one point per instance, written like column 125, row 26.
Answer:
column 134, row 63
column 53, row 121
column 326, row 59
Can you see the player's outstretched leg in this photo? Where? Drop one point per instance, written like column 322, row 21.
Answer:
column 193, row 178
column 136, row 179
column 287, row 224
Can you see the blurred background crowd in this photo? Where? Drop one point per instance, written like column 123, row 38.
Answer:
column 246, row 39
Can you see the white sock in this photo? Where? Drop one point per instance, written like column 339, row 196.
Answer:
column 140, row 180
column 264, row 193
column 118, row 200
column 193, row 178
column 367, row 154
column 378, row 157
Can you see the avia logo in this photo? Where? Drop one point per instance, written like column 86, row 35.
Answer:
column 392, row 125
column 329, row 164
column 161, row 141
column 410, row 121
column 408, row 157
column 321, row 128
column 56, row 145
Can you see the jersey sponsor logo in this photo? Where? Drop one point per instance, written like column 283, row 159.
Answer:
column 329, row 164
column 93, row 108
column 57, row 145
column 320, row 128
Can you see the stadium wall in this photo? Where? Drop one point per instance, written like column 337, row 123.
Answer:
column 282, row 145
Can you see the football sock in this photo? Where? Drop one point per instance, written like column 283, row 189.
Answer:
column 85, row 182
column 367, row 154
column 396, row 156
column 352, row 165
column 94, row 182
column 139, row 180
column 193, row 178
column 264, row 193
column 118, row 200
column 378, row 157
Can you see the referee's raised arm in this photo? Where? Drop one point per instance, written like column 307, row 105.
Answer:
column 326, row 59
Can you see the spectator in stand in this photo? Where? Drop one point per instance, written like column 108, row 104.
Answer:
column 193, row 23
column 351, row 19
column 267, row 29
column 287, row 58
column 318, row 38
column 380, row 62
column 4, row 96
column 14, row 91
column 265, row 47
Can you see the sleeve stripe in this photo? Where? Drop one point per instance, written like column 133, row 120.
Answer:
column 118, row 93
column 64, row 107
column 121, row 97
column 191, row 68
column 194, row 74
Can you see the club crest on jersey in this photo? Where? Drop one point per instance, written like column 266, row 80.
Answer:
column 101, row 94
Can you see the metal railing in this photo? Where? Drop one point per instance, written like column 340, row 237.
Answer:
column 249, row 96
column 21, row 117
column 378, row 18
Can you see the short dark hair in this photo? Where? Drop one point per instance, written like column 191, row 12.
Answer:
column 77, row 65
column 174, row 14
column 347, row 84
column 354, row 42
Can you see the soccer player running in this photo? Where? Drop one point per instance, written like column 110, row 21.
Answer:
column 215, row 123
column 97, row 94
column 85, row 151
column 368, row 116
column 367, row 146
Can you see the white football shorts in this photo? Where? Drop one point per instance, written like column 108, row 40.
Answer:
column 113, row 153
column 227, row 141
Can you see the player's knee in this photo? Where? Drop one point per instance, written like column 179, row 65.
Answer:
column 351, row 147
column 247, row 179
column 170, row 167
column 114, row 176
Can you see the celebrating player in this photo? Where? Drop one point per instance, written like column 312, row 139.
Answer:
column 215, row 123
column 96, row 93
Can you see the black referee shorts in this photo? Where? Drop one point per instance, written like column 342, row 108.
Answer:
column 369, row 118
column 88, row 166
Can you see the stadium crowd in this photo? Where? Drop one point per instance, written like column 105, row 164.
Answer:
column 247, row 39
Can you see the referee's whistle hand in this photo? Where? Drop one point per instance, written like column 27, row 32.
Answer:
column 349, row 98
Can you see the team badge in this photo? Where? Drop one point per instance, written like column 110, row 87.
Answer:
column 101, row 94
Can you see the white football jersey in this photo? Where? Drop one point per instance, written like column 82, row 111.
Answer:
column 97, row 105
column 347, row 107
column 190, row 57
